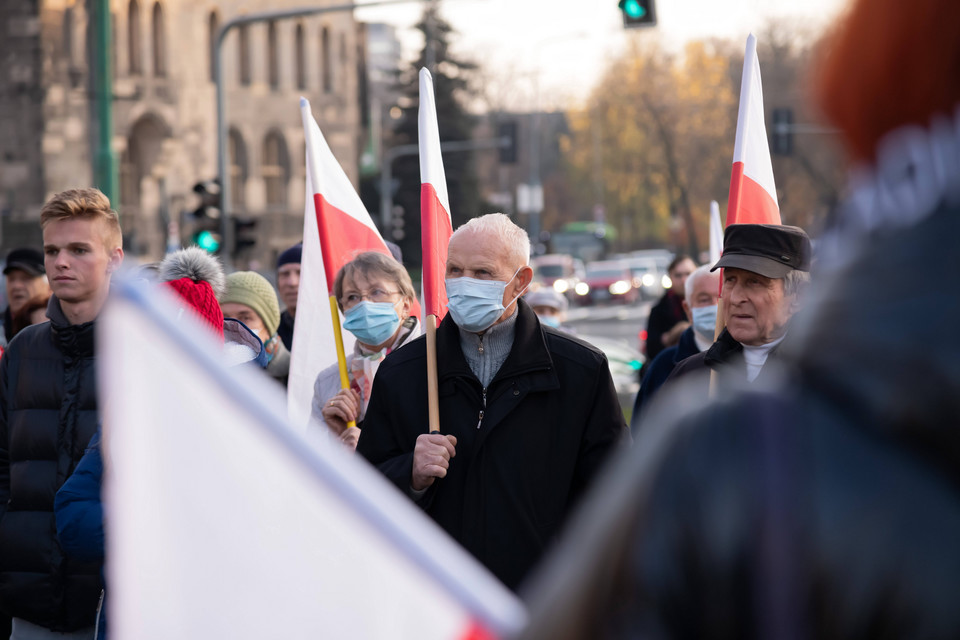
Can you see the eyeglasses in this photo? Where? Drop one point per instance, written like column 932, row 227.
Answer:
column 353, row 298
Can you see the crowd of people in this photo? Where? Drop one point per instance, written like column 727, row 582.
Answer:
column 777, row 480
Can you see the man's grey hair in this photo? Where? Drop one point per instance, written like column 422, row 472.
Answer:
column 692, row 279
column 508, row 234
column 795, row 282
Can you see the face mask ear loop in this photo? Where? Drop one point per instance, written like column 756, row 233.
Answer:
column 522, row 291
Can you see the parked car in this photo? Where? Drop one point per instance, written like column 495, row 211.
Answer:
column 560, row 271
column 606, row 281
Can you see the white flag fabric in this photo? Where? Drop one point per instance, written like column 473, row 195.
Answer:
column 223, row 522
column 314, row 348
column 753, row 194
column 716, row 232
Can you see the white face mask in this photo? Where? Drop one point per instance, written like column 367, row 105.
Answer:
column 476, row 304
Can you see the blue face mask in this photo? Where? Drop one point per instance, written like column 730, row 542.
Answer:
column 476, row 304
column 705, row 320
column 550, row 321
column 372, row 322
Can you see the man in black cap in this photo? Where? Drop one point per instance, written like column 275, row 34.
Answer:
column 765, row 268
column 26, row 280
column 288, row 286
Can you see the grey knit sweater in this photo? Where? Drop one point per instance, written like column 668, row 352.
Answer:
column 486, row 353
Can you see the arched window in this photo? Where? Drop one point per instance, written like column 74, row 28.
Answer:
column 326, row 64
column 300, row 58
column 159, row 42
column 213, row 27
column 237, row 151
column 273, row 58
column 246, row 76
column 276, row 170
column 133, row 38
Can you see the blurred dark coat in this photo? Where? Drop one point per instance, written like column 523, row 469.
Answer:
column 79, row 513
column 48, row 414
column 551, row 419
column 828, row 507
column 659, row 370
column 663, row 316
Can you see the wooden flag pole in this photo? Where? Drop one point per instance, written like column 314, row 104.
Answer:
column 341, row 352
column 433, row 396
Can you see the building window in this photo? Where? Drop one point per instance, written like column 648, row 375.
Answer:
column 133, row 38
column 343, row 64
column 159, row 42
column 273, row 58
column 213, row 27
column 326, row 65
column 246, row 75
column 237, row 151
column 276, row 170
column 300, row 58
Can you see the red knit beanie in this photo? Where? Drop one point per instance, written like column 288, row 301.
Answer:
column 199, row 295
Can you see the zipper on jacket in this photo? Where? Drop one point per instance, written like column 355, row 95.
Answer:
column 480, row 346
column 482, row 408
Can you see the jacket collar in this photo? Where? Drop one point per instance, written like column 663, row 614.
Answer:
column 529, row 352
column 72, row 339
column 723, row 351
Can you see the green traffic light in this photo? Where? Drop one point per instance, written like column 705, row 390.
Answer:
column 633, row 9
column 208, row 241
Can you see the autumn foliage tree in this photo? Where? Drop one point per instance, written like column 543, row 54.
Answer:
column 654, row 143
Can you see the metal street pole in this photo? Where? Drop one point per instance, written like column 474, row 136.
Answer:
column 386, row 168
column 105, row 161
column 226, row 200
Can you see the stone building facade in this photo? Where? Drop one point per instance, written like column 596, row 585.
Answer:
column 164, row 112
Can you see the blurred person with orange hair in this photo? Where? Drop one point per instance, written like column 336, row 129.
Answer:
column 827, row 503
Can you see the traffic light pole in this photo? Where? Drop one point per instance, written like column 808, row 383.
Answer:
column 386, row 168
column 223, row 173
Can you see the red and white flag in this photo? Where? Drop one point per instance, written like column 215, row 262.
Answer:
column 336, row 227
column 753, row 194
column 435, row 224
column 225, row 523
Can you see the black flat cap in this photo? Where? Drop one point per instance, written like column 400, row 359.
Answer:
column 25, row 259
column 772, row 250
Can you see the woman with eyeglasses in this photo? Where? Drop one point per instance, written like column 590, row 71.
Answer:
column 376, row 296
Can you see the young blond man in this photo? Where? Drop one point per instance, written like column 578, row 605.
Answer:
column 48, row 413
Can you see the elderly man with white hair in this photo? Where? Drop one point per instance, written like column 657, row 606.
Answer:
column 528, row 414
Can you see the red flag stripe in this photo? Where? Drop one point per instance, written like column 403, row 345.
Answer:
column 749, row 202
column 477, row 632
column 342, row 237
column 435, row 234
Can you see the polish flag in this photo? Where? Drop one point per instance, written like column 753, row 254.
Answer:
column 753, row 194
column 336, row 227
column 435, row 224
column 226, row 523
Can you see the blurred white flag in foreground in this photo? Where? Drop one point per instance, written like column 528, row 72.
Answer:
column 223, row 523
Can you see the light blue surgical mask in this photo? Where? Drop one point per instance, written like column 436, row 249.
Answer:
column 476, row 304
column 372, row 322
column 705, row 320
column 550, row 321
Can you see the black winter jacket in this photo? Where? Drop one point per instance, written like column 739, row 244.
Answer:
column 523, row 455
column 48, row 413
